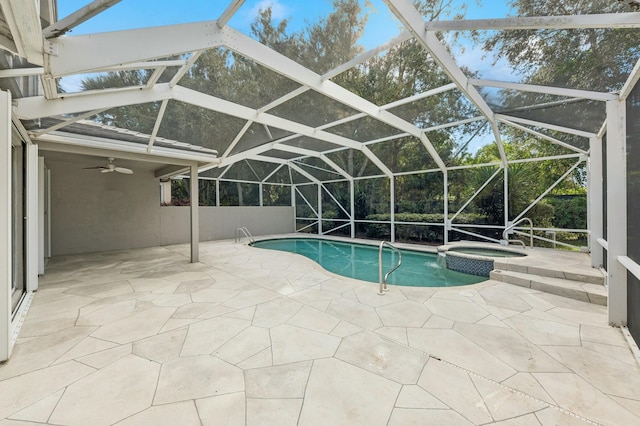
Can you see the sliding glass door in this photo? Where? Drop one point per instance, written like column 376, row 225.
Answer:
column 18, row 205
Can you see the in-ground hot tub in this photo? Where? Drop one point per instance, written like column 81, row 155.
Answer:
column 475, row 259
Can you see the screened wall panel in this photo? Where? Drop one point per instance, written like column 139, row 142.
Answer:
column 336, row 200
column 281, row 175
column 633, row 207
column 306, row 198
column 477, row 192
column 276, row 195
column 456, row 143
column 239, row 194
column 372, row 197
column 419, row 198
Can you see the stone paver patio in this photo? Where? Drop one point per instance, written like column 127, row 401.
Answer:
column 258, row 337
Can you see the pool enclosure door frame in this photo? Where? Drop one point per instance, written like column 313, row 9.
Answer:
column 18, row 226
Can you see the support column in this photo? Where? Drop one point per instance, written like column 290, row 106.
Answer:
column 352, row 203
column 319, row 209
column 261, row 195
column 195, row 215
column 165, row 188
column 594, row 200
column 293, row 205
column 5, row 225
column 506, row 196
column 41, row 214
column 445, row 179
column 217, row 193
column 31, row 213
column 392, row 196
column 616, row 211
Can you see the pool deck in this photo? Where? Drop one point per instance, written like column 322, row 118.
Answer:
column 260, row 337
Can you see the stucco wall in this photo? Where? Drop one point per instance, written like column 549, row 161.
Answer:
column 219, row 223
column 92, row 211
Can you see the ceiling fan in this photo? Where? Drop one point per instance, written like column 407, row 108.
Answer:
column 110, row 168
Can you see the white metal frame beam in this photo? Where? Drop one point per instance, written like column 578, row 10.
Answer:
column 594, row 201
column 413, row 21
column 67, row 142
column 68, row 122
column 602, row 20
column 156, row 125
column 229, row 12
column 511, row 119
column 194, row 209
column 95, row 52
column 545, row 137
column 37, row 106
column 631, row 81
column 616, row 211
column 212, row 103
column 291, row 69
column 6, row 263
column 81, row 15
column 548, row 90
column 23, row 18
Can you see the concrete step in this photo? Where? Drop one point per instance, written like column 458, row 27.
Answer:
column 581, row 274
column 574, row 289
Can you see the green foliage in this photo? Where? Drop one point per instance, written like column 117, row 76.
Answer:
column 570, row 212
column 425, row 234
column 599, row 59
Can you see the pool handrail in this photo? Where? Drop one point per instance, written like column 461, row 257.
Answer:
column 383, row 280
column 505, row 233
column 247, row 234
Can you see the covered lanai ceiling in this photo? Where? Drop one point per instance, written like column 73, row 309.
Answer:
column 310, row 113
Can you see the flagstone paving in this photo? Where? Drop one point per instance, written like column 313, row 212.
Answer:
column 259, row 337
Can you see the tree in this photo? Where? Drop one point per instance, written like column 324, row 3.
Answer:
column 591, row 59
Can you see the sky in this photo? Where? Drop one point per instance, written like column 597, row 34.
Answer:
column 381, row 26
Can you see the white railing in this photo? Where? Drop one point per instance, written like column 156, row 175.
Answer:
column 247, row 234
column 383, row 279
column 505, row 234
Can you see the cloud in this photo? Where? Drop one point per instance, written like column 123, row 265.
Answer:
column 478, row 60
column 278, row 10
column 72, row 83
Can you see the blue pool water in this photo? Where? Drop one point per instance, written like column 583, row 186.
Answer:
column 361, row 262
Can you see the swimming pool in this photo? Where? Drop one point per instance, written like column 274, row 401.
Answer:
column 361, row 262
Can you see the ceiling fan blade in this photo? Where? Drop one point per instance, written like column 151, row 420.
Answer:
column 124, row 170
column 106, row 170
column 94, row 168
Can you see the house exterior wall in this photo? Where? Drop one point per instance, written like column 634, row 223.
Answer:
column 92, row 212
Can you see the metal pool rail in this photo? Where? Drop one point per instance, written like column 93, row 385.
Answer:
column 383, row 280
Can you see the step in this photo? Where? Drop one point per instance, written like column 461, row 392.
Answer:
column 573, row 289
column 568, row 272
